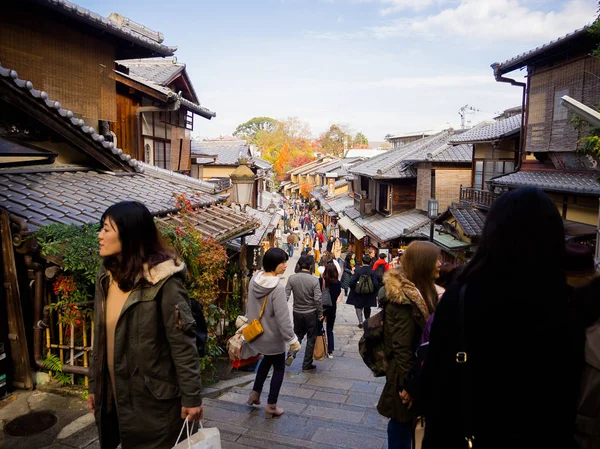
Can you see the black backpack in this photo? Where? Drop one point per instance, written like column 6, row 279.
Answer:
column 370, row 345
column 365, row 286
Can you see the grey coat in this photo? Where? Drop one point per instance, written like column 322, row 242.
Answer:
column 276, row 320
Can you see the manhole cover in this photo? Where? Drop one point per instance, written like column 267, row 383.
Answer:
column 30, row 424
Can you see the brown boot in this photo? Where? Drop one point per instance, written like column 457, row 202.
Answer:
column 271, row 410
column 254, row 398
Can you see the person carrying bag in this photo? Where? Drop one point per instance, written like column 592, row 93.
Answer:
column 209, row 438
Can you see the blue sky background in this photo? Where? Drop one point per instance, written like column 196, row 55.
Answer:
column 376, row 66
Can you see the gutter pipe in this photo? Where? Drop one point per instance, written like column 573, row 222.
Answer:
column 502, row 79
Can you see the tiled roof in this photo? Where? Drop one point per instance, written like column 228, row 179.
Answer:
column 497, row 130
column 171, row 95
column 340, row 183
column 555, row 181
column 453, row 153
column 522, row 59
column 442, row 239
column 332, row 166
column 390, row 228
column 267, row 223
column 470, row 220
column 340, row 202
column 227, row 152
column 392, row 164
column 351, row 212
column 92, row 19
column 261, row 163
column 157, row 70
column 310, row 167
column 82, row 196
column 11, row 77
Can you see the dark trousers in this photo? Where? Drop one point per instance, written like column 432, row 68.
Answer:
column 306, row 324
column 276, row 361
column 400, row 434
column 329, row 314
column 367, row 312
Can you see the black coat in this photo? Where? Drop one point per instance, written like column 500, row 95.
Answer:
column 358, row 300
column 517, row 353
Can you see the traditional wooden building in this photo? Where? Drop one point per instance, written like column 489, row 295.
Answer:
column 59, row 163
column 548, row 156
column 156, row 105
column 215, row 160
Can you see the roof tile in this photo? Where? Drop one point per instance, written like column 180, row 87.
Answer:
column 555, row 181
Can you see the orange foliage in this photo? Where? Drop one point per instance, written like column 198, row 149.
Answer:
column 305, row 189
column 282, row 164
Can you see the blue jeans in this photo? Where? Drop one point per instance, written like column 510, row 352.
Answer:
column 290, row 250
column 399, row 434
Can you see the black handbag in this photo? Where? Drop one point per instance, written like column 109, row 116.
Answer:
column 325, row 295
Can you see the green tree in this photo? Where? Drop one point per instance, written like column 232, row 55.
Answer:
column 252, row 127
column 360, row 141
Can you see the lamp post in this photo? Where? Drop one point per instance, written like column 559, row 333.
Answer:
column 243, row 182
column 432, row 213
column 271, row 208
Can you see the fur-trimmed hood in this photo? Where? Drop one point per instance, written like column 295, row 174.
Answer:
column 163, row 270
column 399, row 290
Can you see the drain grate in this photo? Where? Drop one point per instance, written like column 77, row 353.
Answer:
column 30, row 424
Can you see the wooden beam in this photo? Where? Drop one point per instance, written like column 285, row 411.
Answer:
column 140, row 87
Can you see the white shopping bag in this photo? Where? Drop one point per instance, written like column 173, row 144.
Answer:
column 208, row 438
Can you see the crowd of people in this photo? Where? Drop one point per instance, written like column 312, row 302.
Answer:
column 501, row 352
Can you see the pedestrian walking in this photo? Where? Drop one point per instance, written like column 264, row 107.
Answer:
column 336, row 250
column 266, row 293
column 363, row 290
column 347, row 273
column 330, row 281
column 291, row 241
column 329, row 246
column 318, row 245
column 144, row 355
column 497, row 334
column 408, row 298
column 307, row 309
column 381, row 266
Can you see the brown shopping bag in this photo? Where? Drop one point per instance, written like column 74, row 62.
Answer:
column 320, row 347
column 208, row 438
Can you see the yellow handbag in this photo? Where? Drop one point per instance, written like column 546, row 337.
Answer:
column 254, row 328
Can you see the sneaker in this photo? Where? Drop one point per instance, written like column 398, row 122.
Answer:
column 329, row 356
column 360, row 326
column 310, row 368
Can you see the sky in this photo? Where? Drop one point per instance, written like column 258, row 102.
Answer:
column 376, row 66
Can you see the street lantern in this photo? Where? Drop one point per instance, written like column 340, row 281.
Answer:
column 432, row 213
column 271, row 208
column 243, row 182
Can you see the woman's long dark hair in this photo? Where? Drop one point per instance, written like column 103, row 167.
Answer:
column 140, row 243
column 522, row 244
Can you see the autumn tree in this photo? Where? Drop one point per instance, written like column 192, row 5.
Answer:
column 249, row 130
column 292, row 131
column 282, row 164
column 335, row 140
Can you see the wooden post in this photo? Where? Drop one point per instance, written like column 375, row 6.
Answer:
column 16, row 327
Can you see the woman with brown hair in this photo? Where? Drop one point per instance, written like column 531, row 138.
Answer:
column 330, row 281
column 145, row 371
column 410, row 298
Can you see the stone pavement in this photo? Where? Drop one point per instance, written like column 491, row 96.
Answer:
column 333, row 407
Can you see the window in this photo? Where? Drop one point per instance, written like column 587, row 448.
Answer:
column 488, row 169
column 384, row 204
column 560, row 112
column 364, row 185
column 162, row 153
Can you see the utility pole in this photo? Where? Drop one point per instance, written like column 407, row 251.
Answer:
column 466, row 109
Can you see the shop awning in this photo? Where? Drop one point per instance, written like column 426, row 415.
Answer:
column 350, row 225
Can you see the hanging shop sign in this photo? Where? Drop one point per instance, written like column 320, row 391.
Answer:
column 254, row 257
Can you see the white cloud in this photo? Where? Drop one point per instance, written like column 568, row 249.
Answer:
column 506, row 20
column 340, row 19
column 479, row 21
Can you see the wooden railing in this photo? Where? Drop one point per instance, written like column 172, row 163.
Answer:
column 478, row 197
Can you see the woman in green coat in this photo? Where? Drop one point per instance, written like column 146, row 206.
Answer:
column 410, row 298
column 145, row 369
